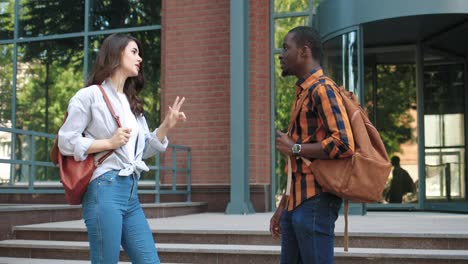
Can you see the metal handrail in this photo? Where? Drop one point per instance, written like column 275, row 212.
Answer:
column 34, row 186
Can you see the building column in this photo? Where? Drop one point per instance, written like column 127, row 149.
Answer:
column 239, row 87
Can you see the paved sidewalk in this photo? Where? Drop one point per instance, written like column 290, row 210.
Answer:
column 418, row 223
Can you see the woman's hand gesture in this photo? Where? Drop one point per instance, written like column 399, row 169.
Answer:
column 174, row 114
column 172, row 117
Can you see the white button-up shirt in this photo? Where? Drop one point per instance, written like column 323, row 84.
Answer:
column 88, row 114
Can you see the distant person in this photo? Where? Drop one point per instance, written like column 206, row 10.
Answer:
column 401, row 182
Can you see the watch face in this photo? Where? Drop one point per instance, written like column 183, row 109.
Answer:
column 296, row 148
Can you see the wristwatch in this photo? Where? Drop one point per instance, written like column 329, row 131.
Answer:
column 296, row 149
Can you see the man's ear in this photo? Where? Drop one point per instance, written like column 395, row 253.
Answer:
column 306, row 51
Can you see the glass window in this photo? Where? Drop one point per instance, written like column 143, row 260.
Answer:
column 6, row 84
column 340, row 60
column 109, row 14
column 40, row 18
column 283, row 25
column 7, row 19
column 6, row 88
column 94, row 45
column 49, row 74
column 283, row 6
column 444, row 123
column 444, row 171
column 390, row 99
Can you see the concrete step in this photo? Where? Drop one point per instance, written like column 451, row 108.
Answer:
column 177, row 253
column 226, row 254
column 44, row 261
column 357, row 240
column 14, row 214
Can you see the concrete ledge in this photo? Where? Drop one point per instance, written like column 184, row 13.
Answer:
column 14, row 215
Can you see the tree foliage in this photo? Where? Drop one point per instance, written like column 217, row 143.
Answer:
column 389, row 103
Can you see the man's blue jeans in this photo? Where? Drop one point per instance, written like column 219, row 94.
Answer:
column 307, row 232
column 114, row 217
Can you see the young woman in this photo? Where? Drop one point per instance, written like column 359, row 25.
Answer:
column 111, row 208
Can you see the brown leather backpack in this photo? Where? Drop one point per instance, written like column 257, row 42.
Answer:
column 361, row 177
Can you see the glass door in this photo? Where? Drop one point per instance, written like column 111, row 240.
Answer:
column 390, row 98
column 444, row 87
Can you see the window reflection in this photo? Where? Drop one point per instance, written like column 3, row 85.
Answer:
column 7, row 19
column 282, row 6
column 49, row 73
column 444, row 121
column 390, row 100
column 340, row 60
column 124, row 13
column 40, row 18
column 6, row 77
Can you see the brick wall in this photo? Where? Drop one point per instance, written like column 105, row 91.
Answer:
column 260, row 146
column 195, row 64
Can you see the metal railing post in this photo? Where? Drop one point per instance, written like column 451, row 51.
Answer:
column 189, row 175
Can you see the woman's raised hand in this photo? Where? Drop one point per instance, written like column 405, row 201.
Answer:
column 174, row 114
column 172, row 117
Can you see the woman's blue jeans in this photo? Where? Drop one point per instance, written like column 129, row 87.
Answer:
column 308, row 231
column 114, row 217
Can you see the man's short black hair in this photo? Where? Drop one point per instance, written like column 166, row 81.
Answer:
column 310, row 37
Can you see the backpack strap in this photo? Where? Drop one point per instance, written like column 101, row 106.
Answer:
column 109, row 105
column 294, row 113
column 346, row 237
column 117, row 120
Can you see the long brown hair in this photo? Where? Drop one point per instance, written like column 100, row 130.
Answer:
column 108, row 60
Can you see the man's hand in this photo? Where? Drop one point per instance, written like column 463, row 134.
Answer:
column 284, row 143
column 275, row 221
column 275, row 226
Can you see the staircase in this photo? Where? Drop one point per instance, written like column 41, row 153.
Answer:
column 411, row 237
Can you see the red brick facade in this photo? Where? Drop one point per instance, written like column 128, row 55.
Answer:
column 195, row 64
